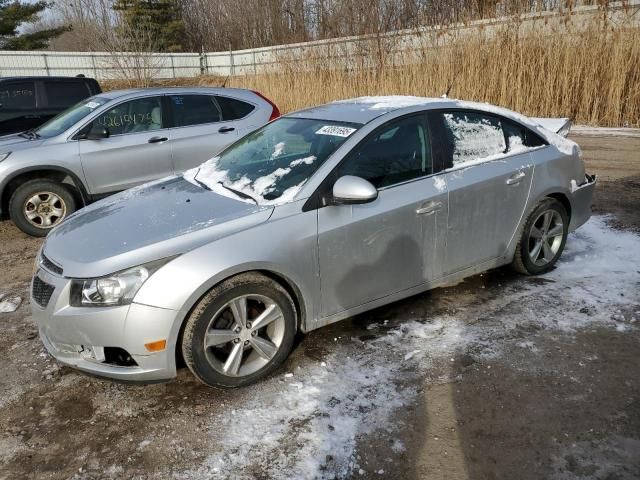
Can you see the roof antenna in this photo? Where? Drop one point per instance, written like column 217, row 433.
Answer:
column 224, row 84
column 450, row 86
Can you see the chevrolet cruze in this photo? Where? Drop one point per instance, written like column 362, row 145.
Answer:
column 319, row 215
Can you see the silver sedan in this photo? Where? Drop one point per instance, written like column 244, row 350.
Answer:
column 317, row 216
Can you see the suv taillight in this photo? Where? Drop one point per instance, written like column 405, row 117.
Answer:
column 275, row 112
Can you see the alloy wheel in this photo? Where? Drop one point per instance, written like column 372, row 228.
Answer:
column 545, row 237
column 44, row 209
column 244, row 335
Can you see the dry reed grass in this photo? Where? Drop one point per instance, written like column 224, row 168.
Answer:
column 591, row 75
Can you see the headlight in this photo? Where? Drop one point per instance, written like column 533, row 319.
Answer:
column 116, row 289
column 3, row 156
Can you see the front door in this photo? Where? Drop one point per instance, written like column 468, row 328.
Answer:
column 136, row 151
column 373, row 250
column 488, row 187
column 18, row 110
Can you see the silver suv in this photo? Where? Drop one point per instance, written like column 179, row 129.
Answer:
column 114, row 141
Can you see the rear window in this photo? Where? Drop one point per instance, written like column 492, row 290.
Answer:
column 18, row 95
column 64, row 94
column 194, row 110
column 233, row 109
column 473, row 136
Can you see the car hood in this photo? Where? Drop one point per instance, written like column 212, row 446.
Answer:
column 153, row 221
column 14, row 142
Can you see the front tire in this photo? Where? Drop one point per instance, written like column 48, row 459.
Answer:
column 37, row 206
column 240, row 331
column 543, row 238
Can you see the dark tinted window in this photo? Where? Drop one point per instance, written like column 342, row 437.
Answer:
column 473, row 136
column 140, row 115
column 398, row 152
column 233, row 109
column 518, row 135
column 64, row 94
column 17, row 95
column 194, row 110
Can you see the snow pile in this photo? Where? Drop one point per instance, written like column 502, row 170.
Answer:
column 306, row 426
column 217, row 180
column 9, row 304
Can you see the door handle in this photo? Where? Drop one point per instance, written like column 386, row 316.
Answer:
column 515, row 179
column 226, row 129
column 158, row 139
column 429, row 208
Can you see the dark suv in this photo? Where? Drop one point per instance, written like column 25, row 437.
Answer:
column 28, row 102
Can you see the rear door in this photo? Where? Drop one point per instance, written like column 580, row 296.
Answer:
column 136, row 151
column 394, row 243
column 198, row 129
column 488, row 181
column 18, row 106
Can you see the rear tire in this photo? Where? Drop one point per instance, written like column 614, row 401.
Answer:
column 37, row 206
column 542, row 239
column 240, row 331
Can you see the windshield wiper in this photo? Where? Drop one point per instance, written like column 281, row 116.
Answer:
column 29, row 134
column 239, row 193
column 202, row 184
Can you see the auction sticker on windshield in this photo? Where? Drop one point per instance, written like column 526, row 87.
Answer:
column 335, row 131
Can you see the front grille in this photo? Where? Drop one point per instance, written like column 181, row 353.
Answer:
column 41, row 292
column 49, row 265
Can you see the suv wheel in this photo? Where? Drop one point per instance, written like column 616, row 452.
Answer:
column 240, row 332
column 543, row 238
column 37, row 206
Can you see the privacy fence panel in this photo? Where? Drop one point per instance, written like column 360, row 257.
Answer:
column 397, row 47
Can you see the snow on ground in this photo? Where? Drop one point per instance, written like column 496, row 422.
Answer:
column 306, row 425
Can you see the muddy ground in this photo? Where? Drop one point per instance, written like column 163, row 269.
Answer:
column 500, row 377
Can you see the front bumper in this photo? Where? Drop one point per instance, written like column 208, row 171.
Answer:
column 73, row 335
column 581, row 200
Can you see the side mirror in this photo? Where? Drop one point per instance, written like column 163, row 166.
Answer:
column 97, row 133
column 350, row 190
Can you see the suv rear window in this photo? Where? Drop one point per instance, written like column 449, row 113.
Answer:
column 233, row 109
column 18, row 95
column 63, row 94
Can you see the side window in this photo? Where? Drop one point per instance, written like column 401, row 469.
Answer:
column 233, row 109
column 473, row 136
column 18, row 95
column 140, row 115
column 398, row 152
column 519, row 137
column 65, row 94
column 194, row 110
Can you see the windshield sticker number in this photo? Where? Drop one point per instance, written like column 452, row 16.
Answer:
column 92, row 105
column 335, row 131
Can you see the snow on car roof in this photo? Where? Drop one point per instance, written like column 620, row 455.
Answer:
column 365, row 109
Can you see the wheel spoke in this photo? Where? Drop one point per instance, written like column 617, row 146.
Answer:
column 31, row 214
column 57, row 212
column 219, row 337
column 232, row 365
column 546, row 222
column 547, row 252
column 535, row 232
column 555, row 231
column 535, row 253
column 270, row 314
column 263, row 347
column 35, row 201
column 46, row 220
column 238, row 308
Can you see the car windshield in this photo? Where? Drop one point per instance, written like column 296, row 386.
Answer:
column 270, row 165
column 67, row 119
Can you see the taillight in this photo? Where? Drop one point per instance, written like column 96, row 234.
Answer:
column 275, row 112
